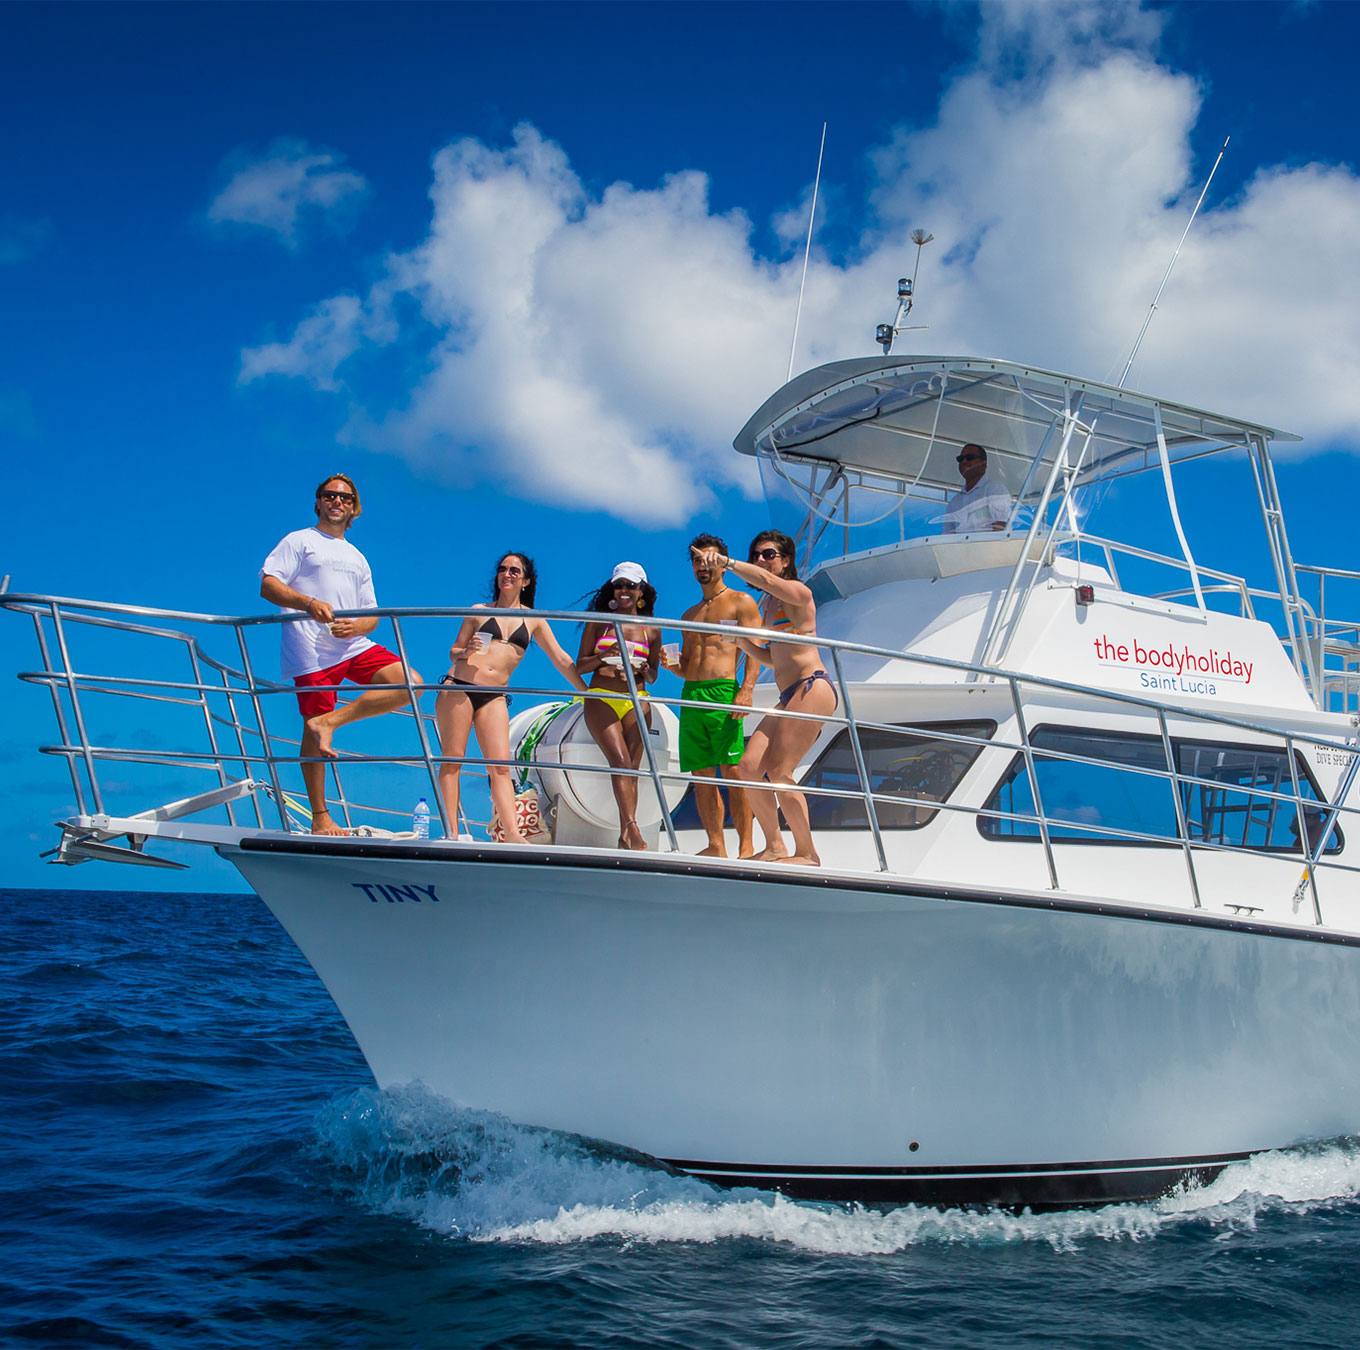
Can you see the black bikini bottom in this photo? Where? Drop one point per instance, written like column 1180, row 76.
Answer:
column 481, row 697
column 805, row 683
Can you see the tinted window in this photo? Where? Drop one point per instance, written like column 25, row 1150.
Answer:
column 1226, row 808
column 917, row 763
column 1105, row 793
column 1229, row 807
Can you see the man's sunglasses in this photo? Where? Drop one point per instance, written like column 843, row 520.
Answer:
column 345, row 497
column 963, row 459
column 768, row 554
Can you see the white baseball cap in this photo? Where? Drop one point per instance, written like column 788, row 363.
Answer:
column 629, row 571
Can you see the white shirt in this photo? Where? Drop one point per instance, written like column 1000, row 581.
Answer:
column 977, row 508
column 332, row 570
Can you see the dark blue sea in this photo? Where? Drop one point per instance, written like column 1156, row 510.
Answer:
column 194, row 1155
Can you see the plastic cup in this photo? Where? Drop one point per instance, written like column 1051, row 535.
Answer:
column 482, row 641
column 671, row 652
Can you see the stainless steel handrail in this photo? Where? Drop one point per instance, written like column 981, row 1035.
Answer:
column 61, row 612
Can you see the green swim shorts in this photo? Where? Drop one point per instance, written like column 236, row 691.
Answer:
column 709, row 737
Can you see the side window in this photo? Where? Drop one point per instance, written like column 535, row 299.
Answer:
column 920, row 763
column 1227, row 806
column 1121, row 788
column 1116, row 791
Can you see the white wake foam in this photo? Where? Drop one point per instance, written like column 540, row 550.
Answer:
column 478, row 1175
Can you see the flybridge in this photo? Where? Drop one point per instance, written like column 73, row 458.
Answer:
column 907, row 417
column 852, row 453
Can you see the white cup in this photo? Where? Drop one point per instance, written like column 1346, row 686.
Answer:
column 483, row 641
column 671, row 652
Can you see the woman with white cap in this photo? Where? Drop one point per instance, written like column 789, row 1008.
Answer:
column 613, row 721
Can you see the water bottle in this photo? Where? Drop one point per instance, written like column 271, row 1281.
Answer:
column 420, row 819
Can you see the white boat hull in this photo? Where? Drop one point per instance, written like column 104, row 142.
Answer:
column 836, row 1037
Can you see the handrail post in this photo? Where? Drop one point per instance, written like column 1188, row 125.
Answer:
column 859, row 758
column 62, row 728
column 422, row 734
column 341, row 799
column 60, row 632
column 645, row 732
column 1305, row 845
column 1182, row 826
column 230, row 695
column 265, row 747
column 208, row 722
column 1028, row 751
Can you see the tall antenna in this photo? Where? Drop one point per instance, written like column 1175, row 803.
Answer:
column 1147, row 322
column 812, row 215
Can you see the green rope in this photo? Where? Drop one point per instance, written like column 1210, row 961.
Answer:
column 529, row 744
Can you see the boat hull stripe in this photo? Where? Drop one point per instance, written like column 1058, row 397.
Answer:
column 655, row 863
column 1042, row 1186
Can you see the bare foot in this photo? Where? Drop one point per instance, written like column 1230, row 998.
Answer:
column 802, row 859
column 319, row 728
column 323, row 824
column 712, row 851
column 746, row 850
column 632, row 837
column 775, row 853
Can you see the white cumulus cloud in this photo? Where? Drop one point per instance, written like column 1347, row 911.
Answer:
column 274, row 191
column 600, row 350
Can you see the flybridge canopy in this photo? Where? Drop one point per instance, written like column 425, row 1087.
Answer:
column 906, row 418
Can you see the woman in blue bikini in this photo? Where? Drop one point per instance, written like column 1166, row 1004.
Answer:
column 777, row 746
column 613, row 721
column 484, row 656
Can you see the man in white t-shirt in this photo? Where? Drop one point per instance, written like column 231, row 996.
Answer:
column 318, row 571
column 983, row 504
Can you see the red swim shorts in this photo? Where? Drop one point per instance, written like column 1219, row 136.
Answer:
column 357, row 670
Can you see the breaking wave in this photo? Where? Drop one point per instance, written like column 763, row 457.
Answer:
column 477, row 1175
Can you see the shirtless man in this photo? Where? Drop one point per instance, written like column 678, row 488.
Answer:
column 712, row 741
column 318, row 571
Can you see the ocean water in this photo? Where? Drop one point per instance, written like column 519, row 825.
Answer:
column 194, row 1155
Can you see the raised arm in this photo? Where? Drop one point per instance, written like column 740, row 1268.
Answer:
column 784, row 589
column 552, row 649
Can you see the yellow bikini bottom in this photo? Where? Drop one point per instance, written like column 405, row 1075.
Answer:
column 621, row 706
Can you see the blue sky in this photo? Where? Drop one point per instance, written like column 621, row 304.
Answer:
column 523, row 270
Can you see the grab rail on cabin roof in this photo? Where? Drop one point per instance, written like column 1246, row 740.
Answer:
column 220, row 702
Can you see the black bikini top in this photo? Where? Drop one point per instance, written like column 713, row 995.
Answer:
column 520, row 637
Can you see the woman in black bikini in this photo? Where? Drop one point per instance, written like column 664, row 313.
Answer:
column 484, row 656
column 777, row 746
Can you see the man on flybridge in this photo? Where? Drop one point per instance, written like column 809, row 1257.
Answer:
column 983, row 504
